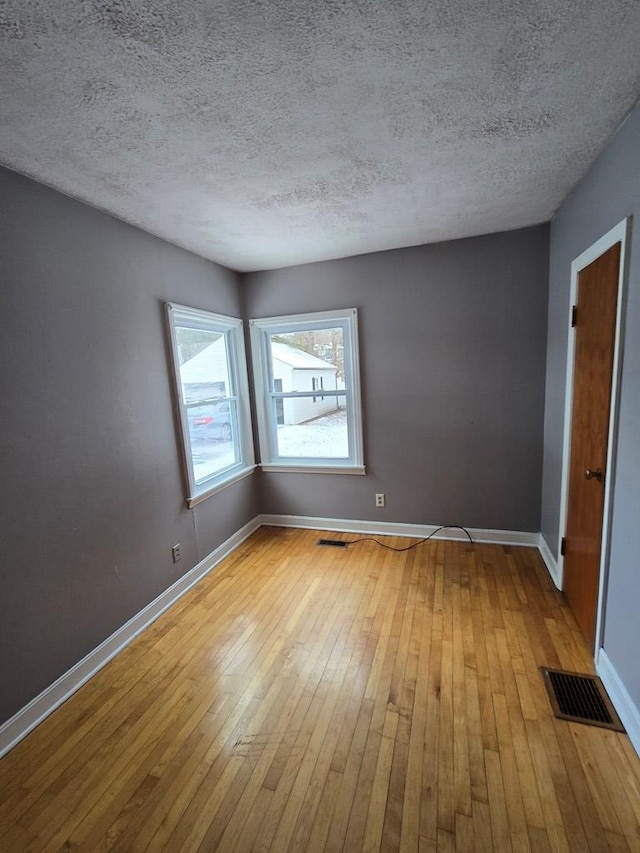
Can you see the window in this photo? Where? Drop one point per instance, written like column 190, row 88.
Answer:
column 317, row 384
column 308, row 392
column 210, row 381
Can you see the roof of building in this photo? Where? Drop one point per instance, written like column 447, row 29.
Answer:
column 297, row 358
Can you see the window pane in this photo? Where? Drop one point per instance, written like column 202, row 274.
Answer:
column 309, row 427
column 213, row 437
column 206, row 384
column 204, row 364
column 323, row 437
column 308, row 360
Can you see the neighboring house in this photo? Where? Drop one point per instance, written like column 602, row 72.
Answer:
column 296, row 370
column 205, row 375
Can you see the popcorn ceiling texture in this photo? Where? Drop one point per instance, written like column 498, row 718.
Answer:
column 265, row 133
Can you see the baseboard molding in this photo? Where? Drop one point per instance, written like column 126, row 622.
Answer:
column 391, row 528
column 52, row 697
column 550, row 561
column 623, row 703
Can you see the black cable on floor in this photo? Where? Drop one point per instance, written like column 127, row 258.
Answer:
column 415, row 544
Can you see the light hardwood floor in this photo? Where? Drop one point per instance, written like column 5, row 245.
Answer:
column 305, row 699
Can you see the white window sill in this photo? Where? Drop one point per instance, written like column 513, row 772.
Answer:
column 239, row 475
column 313, row 469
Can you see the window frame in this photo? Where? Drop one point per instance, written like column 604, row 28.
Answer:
column 232, row 328
column 261, row 330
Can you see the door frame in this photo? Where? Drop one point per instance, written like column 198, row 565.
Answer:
column 620, row 233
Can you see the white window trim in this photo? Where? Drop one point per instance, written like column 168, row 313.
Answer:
column 196, row 493
column 260, row 329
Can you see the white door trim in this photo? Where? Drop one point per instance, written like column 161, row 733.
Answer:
column 620, row 233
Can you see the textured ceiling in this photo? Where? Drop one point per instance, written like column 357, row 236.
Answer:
column 264, row 133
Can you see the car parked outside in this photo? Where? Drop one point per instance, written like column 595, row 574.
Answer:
column 211, row 421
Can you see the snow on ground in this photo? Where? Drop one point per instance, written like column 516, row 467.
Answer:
column 324, row 437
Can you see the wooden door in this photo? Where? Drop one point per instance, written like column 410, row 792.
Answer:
column 592, row 380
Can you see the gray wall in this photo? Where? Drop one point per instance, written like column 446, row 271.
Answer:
column 453, row 340
column 92, row 498
column 609, row 192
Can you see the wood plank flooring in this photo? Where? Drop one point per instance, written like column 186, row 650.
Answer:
column 322, row 699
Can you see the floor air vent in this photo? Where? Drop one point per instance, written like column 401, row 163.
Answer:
column 335, row 543
column 580, row 698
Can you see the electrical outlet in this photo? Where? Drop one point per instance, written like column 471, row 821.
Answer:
column 175, row 553
column 379, row 500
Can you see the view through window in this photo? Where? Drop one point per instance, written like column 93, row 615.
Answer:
column 211, row 383
column 313, row 426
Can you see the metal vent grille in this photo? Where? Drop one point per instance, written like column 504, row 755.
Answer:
column 580, row 698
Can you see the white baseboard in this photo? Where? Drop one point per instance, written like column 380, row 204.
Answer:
column 550, row 561
column 41, row 706
column 623, row 703
column 391, row 528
